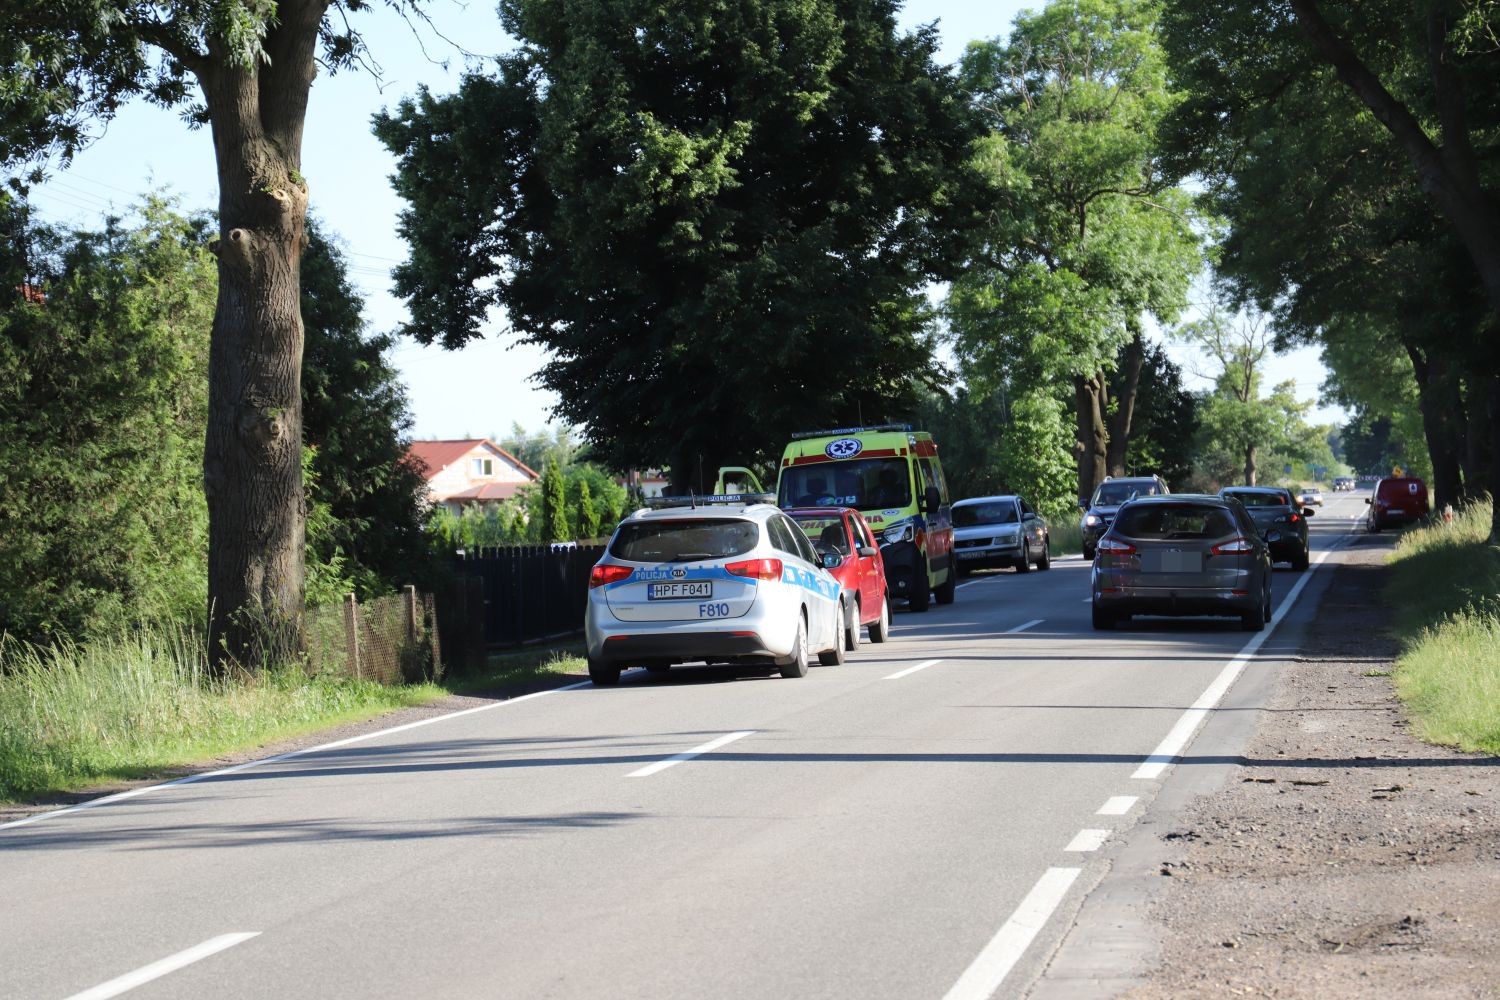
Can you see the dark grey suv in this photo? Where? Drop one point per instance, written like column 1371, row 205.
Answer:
column 1101, row 508
column 1282, row 521
column 1182, row 555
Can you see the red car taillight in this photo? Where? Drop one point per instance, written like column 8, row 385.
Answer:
column 1114, row 547
column 605, row 573
column 1233, row 547
column 756, row 569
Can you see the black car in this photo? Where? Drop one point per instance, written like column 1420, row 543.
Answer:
column 1101, row 509
column 1281, row 521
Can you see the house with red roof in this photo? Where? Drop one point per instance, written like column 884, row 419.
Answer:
column 469, row 471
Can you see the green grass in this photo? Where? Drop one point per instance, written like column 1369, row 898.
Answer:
column 73, row 716
column 526, row 668
column 1066, row 537
column 1445, row 594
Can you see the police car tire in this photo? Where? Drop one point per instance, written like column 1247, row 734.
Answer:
column 880, row 629
column 603, row 674
column 797, row 667
column 851, row 629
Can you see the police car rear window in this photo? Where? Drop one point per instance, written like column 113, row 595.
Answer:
column 684, row 540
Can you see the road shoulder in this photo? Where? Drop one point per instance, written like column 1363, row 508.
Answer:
column 1335, row 855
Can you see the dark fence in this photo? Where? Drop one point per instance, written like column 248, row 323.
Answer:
column 528, row 592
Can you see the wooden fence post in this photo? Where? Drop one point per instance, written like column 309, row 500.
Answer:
column 351, row 633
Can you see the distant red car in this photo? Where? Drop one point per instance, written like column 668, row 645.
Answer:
column 861, row 574
column 1397, row 500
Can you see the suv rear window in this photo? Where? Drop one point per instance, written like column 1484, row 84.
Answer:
column 684, row 540
column 1177, row 520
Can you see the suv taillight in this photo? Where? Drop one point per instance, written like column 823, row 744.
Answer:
column 756, row 569
column 606, row 573
column 1233, row 547
column 1114, row 547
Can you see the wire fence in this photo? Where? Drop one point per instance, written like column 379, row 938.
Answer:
column 391, row 640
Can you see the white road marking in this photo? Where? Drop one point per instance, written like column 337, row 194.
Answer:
column 1027, row 625
column 1117, row 805
column 1088, row 840
column 985, row 974
column 1088, row 600
column 206, row 775
column 911, row 670
column 697, row 751
column 171, row 963
column 1186, row 728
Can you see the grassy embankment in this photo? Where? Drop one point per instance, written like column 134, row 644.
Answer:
column 1066, row 537
column 1445, row 593
column 75, row 716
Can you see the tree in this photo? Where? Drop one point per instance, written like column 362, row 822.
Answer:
column 244, row 68
column 104, row 342
column 1034, row 455
column 554, row 520
column 588, row 516
column 1089, row 231
column 1165, row 422
column 356, row 419
column 1345, row 147
column 694, row 207
column 1234, row 414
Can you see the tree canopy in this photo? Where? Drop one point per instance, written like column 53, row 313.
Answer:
column 719, row 220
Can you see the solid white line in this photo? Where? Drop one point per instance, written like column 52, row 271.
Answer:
column 699, row 751
column 911, row 670
column 1010, row 942
column 1186, row 727
column 1022, row 628
column 1088, row 840
column 1117, row 805
column 156, row 970
column 122, row 796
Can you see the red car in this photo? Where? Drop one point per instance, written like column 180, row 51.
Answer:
column 1397, row 500
column 861, row 574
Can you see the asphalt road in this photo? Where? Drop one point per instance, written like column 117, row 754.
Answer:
column 912, row 824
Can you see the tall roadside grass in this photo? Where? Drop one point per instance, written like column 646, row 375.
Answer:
column 135, row 704
column 1445, row 594
column 1066, row 536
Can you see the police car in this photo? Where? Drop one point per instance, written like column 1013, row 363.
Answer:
column 723, row 579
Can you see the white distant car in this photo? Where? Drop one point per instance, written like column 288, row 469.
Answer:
column 726, row 579
column 1310, row 498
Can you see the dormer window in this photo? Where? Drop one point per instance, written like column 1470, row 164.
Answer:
column 483, row 466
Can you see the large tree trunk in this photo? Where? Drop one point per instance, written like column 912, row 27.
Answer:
column 1479, row 442
column 1250, row 451
column 252, row 465
column 1092, row 444
column 1492, row 391
column 1434, row 400
column 1132, row 356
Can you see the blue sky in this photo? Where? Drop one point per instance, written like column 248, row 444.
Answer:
column 483, row 388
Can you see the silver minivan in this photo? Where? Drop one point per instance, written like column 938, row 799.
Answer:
column 1182, row 554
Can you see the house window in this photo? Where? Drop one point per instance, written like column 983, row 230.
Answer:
column 484, row 466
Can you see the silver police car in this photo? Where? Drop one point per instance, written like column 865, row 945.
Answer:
column 723, row 579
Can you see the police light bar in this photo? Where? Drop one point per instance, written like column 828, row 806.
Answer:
column 657, row 503
column 837, row 431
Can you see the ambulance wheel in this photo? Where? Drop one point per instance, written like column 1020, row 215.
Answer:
column 920, row 598
column 948, row 588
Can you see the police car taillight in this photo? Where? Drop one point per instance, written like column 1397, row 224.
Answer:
column 756, row 569
column 605, row 573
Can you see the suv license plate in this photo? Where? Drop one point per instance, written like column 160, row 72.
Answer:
column 693, row 589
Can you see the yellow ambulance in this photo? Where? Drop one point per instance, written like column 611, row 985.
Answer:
column 890, row 474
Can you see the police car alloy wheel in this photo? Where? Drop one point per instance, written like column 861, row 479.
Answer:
column 798, row 666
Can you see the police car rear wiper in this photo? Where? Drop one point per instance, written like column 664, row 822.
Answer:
column 686, row 556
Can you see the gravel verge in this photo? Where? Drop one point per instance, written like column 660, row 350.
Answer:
column 1344, row 857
